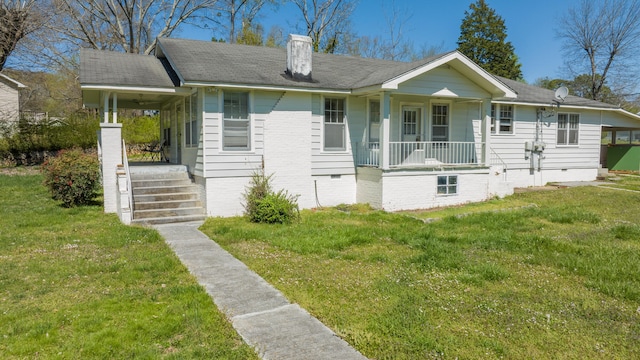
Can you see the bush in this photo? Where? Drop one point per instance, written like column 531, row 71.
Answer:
column 72, row 177
column 140, row 129
column 263, row 205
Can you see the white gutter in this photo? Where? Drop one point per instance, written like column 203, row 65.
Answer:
column 268, row 87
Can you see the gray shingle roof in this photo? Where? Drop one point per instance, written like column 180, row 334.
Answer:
column 536, row 95
column 120, row 69
column 211, row 62
column 205, row 62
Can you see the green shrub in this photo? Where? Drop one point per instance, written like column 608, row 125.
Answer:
column 263, row 205
column 140, row 129
column 72, row 177
column 276, row 208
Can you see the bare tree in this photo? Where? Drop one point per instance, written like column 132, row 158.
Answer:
column 19, row 19
column 126, row 25
column 602, row 40
column 392, row 46
column 327, row 22
column 231, row 13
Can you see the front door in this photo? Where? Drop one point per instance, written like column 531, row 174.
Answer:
column 411, row 123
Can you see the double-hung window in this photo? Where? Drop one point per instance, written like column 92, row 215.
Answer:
column 374, row 122
column 568, row 125
column 334, row 124
column 236, row 132
column 501, row 119
column 447, row 185
column 440, row 122
column 191, row 133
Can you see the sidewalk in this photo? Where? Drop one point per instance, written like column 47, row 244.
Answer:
column 262, row 316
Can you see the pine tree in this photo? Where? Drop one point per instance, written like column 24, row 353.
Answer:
column 483, row 39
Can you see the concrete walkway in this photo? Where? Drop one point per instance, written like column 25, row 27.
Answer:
column 262, row 316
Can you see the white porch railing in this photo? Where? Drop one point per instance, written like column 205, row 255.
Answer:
column 426, row 153
column 125, row 191
column 125, row 161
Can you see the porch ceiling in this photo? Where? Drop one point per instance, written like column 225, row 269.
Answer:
column 128, row 99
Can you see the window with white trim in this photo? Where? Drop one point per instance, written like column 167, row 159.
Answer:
column 440, row 122
column 374, row 121
column 236, row 129
column 447, row 185
column 191, row 133
column 568, row 125
column 501, row 119
column 165, row 121
column 334, row 124
column 411, row 123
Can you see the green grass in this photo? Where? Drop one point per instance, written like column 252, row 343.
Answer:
column 553, row 274
column 75, row 283
column 627, row 182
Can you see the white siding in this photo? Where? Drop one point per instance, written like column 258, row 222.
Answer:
column 332, row 162
column 439, row 78
column 560, row 163
column 618, row 120
column 9, row 105
column 220, row 163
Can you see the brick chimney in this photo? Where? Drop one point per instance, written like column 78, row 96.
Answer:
column 299, row 57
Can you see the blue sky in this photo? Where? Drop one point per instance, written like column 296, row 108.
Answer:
column 531, row 26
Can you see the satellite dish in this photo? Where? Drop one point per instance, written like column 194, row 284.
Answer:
column 562, row 93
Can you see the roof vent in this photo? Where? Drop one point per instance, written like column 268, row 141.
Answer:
column 299, row 57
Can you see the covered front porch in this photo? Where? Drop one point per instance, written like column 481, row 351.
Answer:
column 422, row 154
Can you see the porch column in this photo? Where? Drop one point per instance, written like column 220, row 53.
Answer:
column 114, row 115
column 111, row 145
column 385, row 120
column 105, row 107
column 486, row 132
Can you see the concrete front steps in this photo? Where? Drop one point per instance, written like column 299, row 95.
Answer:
column 164, row 194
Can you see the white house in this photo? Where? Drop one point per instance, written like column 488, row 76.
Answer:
column 338, row 129
column 9, row 99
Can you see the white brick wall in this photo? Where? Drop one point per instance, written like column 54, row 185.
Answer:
column 524, row 177
column 369, row 187
column 341, row 189
column 287, row 150
column 404, row 190
column 224, row 196
column 111, row 144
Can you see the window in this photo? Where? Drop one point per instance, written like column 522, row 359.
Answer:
column 503, row 123
column 411, row 120
column 165, row 120
column 334, row 124
column 236, row 130
column 374, row 121
column 447, row 184
column 440, row 122
column 568, row 129
column 191, row 134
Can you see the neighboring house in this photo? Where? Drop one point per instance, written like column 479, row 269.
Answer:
column 338, row 129
column 9, row 99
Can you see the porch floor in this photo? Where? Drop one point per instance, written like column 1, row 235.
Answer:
column 148, row 167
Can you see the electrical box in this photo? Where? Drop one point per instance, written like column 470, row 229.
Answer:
column 528, row 146
column 539, row 146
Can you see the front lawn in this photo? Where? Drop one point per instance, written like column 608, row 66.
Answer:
column 553, row 274
column 77, row 284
